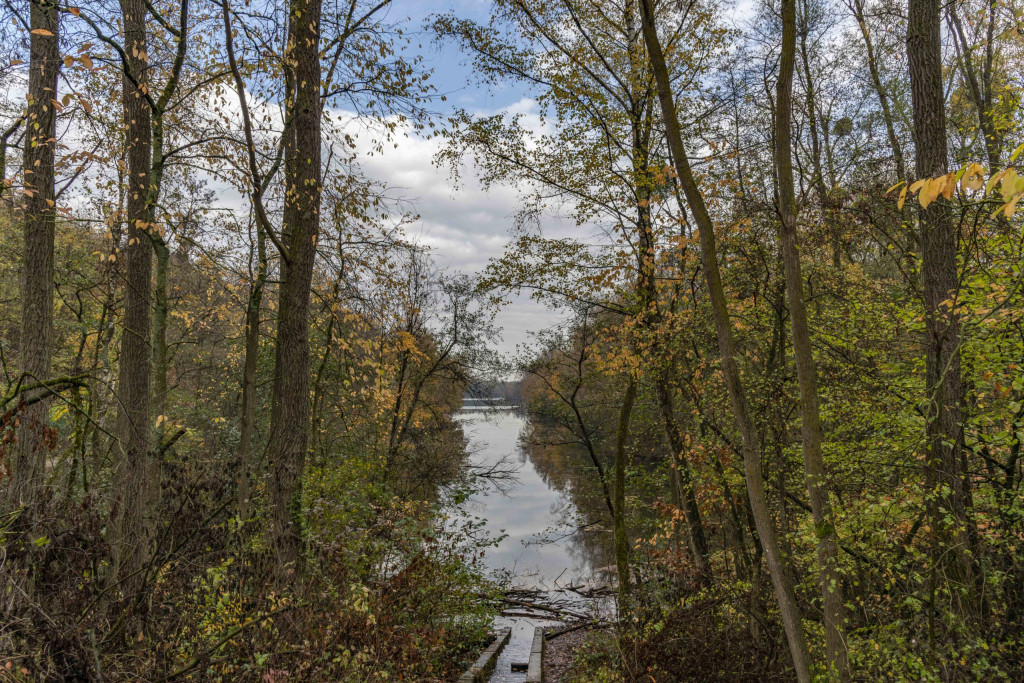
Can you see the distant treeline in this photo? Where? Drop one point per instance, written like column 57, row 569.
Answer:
column 509, row 391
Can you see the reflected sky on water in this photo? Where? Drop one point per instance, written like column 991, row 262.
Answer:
column 539, row 509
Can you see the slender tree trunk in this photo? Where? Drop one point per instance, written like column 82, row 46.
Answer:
column 161, row 309
column 257, row 183
column 34, row 436
column 751, row 443
column 5, row 137
column 821, row 188
column 159, row 240
column 252, row 352
column 946, row 478
column 290, row 415
column 810, row 420
column 131, row 530
column 648, row 319
column 619, row 499
column 688, row 497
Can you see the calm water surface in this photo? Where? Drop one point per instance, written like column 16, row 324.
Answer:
column 551, row 492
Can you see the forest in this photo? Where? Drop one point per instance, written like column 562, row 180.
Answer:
column 782, row 241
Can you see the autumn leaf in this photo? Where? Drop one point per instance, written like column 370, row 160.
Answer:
column 1011, row 206
column 973, row 177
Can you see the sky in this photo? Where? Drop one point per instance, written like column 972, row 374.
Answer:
column 466, row 226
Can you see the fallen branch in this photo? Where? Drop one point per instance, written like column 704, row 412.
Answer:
column 543, row 608
column 574, row 627
column 528, row 615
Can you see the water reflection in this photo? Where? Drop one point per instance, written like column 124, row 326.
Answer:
column 552, row 514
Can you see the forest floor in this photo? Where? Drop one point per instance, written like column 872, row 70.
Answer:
column 560, row 653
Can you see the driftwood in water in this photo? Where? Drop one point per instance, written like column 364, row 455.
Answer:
column 560, row 611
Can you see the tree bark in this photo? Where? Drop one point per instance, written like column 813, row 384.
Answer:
column 810, row 419
column 257, row 184
column 751, row 442
column 946, row 479
column 132, row 533
column 290, row 413
column 28, row 462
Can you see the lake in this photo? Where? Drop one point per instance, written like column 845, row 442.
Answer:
column 544, row 494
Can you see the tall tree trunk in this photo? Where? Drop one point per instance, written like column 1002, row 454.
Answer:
column 257, row 184
column 810, row 420
column 131, row 531
column 28, row 464
column 946, row 478
column 290, row 415
column 649, row 318
column 751, row 442
column 158, row 239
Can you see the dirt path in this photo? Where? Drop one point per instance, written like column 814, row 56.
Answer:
column 560, row 653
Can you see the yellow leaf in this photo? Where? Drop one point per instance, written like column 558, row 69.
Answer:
column 895, row 186
column 973, row 177
column 917, row 185
column 1011, row 206
column 1008, row 184
column 947, row 185
column 929, row 192
column 1016, row 153
column 903, row 198
column 993, row 180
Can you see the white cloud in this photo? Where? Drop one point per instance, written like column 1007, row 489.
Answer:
column 465, row 226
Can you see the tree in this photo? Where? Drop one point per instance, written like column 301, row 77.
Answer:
column 751, row 448
column 946, row 479
column 597, row 86
column 132, row 532
column 290, row 416
column 25, row 492
column 807, row 374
